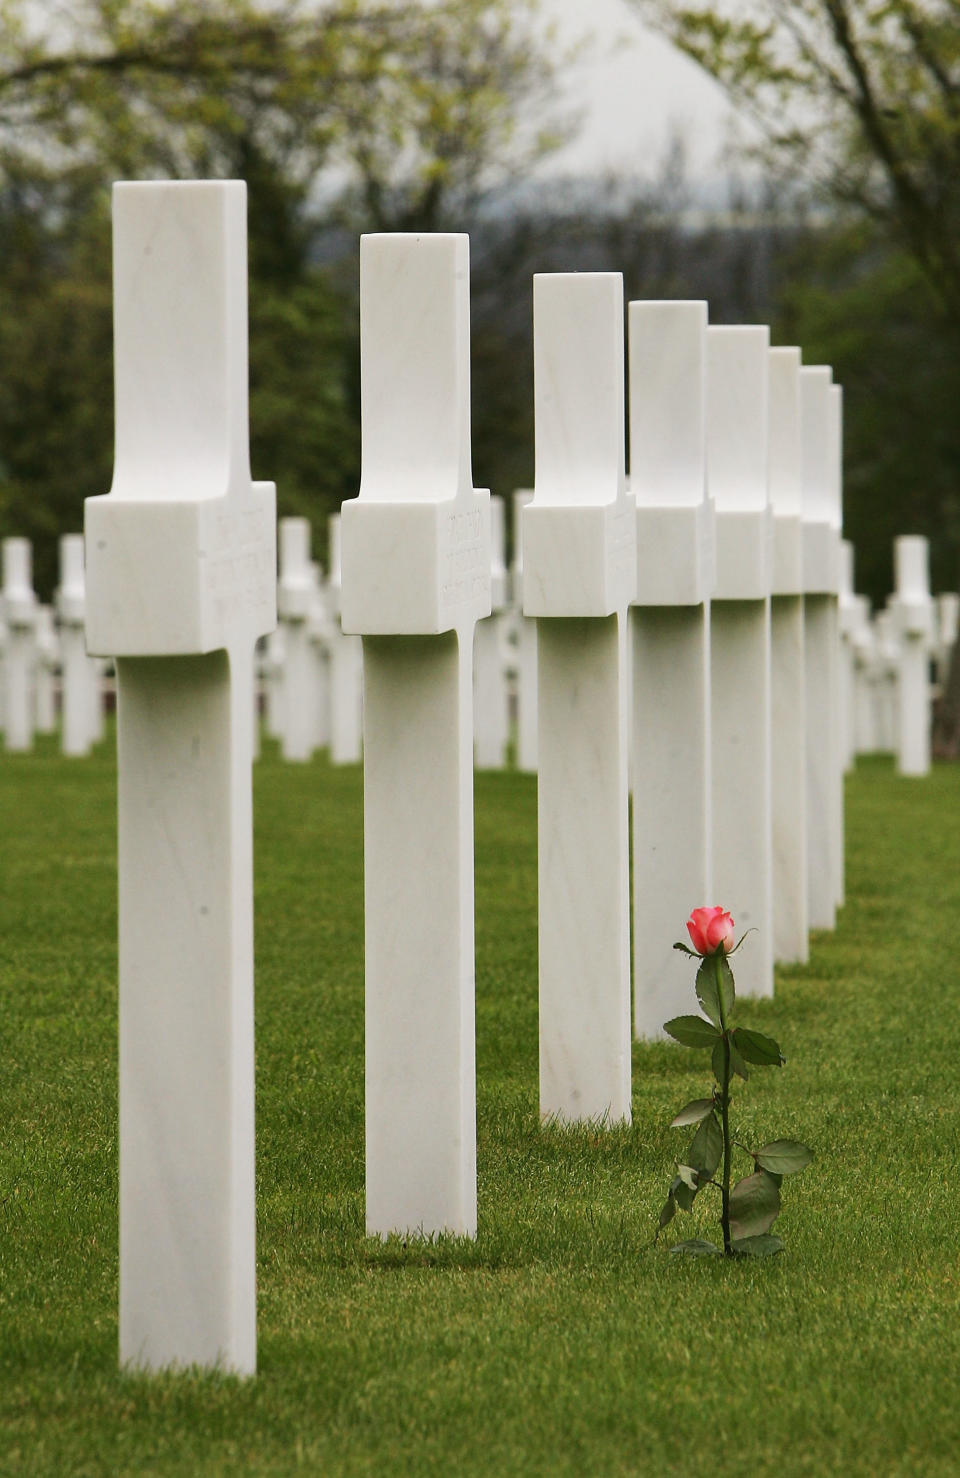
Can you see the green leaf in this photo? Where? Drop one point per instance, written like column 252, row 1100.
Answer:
column 737, row 1063
column 669, row 1211
column 762, row 1246
column 706, row 988
column 754, row 1205
column 684, row 1190
column 706, row 1150
column 686, row 949
column 691, row 1031
column 692, row 1113
column 783, row 1156
column 755, row 1047
column 727, row 992
column 696, row 1247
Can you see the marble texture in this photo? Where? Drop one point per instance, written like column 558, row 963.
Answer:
column 821, row 643
column 45, row 677
column 491, row 718
column 181, row 582
column 296, row 587
column 76, row 730
column 913, row 613
column 837, row 820
column 579, row 573
column 20, row 616
column 415, row 579
column 524, row 641
column 737, row 472
column 670, row 748
column 345, row 657
column 788, row 706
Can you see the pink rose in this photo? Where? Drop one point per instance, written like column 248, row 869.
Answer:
column 711, row 929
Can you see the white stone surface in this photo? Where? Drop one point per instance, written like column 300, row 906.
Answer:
column 345, row 668
column 837, row 829
column 181, row 582
column 887, row 683
column 863, row 643
column 670, row 648
column 913, row 613
column 737, row 450
column 320, row 632
column 491, row 719
column 788, row 745
column 295, row 594
column 579, row 573
column 524, row 633
column 48, row 662
column 849, row 623
column 821, row 642
column 20, row 615
column 76, row 726
column 416, row 577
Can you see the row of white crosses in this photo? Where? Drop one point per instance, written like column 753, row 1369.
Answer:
column 313, row 672
column 37, row 641
column 416, row 578
column 886, row 702
column 181, row 584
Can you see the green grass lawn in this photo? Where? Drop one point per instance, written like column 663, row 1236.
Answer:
column 559, row 1343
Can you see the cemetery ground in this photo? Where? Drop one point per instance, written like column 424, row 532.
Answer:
column 560, row 1342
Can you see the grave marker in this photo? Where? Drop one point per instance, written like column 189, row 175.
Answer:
column 670, row 641
column 295, row 596
column 76, row 727
column 525, row 648
column 913, row 615
column 180, row 584
column 737, row 443
column 579, row 573
column 20, row 614
column 489, row 677
column 48, row 657
column 416, row 578
column 346, row 669
column 821, row 643
column 788, row 747
column 837, row 845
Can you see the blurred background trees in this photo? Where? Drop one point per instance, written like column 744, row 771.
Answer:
column 840, row 227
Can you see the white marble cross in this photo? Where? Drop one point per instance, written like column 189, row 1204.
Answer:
column 849, row 628
column 416, row 578
column 737, row 444
column 821, row 643
column 489, row 675
column 346, row 668
column 912, row 608
column 835, row 516
column 788, row 709
column 670, row 629
column 48, row 659
column 295, row 595
column 524, row 634
column 77, row 669
column 181, row 582
column 579, row 574
column 20, row 615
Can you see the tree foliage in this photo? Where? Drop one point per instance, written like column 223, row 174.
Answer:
column 860, row 97
column 374, row 114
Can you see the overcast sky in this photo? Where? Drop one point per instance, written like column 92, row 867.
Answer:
column 633, row 86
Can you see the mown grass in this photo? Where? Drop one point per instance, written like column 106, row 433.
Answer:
column 559, row 1343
